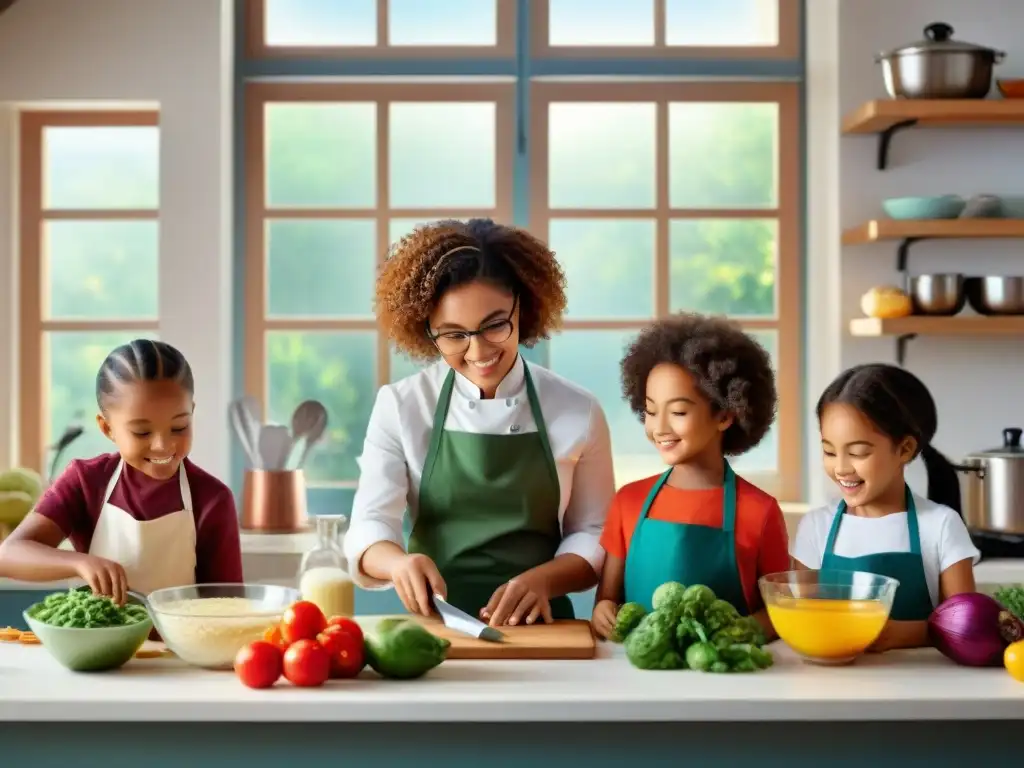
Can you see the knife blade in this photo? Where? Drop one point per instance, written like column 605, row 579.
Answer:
column 461, row 621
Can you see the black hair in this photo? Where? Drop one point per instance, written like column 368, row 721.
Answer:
column 731, row 369
column 900, row 406
column 142, row 360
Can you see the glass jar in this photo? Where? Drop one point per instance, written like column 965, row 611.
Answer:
column 323, row 573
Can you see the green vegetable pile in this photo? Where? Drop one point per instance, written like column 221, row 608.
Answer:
column 81, row 609
column 690, row 628
column 402, row 649
column 1012, row 599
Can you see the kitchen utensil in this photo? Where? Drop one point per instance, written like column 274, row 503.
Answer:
column 994, row 492
column 829, row 616
column 274, row 502
column 995, row 295
column 559, row 640
column 1011, row 88
column 308, row 424
column 937, row 294
column 91, row 650
column 982, row 207
column 207, row 624
column 939, row 67
column 246, row 432
column 275, row 443
column 461, row 621
column 936, row 207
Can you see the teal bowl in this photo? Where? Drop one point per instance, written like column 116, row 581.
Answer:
column 91, row 650
column 941, row 207
column 1011, row 207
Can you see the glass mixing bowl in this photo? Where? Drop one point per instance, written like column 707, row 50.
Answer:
column 829, row 616
column 207, row 624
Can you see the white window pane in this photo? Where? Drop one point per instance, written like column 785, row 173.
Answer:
column 728, row 23
column 601, row 22
column 442, row 22
column 321, row 22
column 101, row 167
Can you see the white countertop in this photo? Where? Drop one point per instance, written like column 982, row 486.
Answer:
column 904, row 685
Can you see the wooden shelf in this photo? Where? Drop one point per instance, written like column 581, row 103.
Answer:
column 878, row 230
column 882, row 114
column 886, row 117
column 918, row 325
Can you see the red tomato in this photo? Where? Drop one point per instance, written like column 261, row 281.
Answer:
column 307, row 664
column 273, row 636
column 302, row 621
column 345, row 649
column 349, row 625
column 258, row 665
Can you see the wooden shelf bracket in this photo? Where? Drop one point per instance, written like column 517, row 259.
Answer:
column 885, row 139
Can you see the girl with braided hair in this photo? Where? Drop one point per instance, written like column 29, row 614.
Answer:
column 143, row 517
column 504, row 468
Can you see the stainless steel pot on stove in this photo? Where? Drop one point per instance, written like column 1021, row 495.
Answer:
column 994, row 493
column 939, row 67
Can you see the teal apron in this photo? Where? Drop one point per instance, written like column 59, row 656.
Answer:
column 488, row 506
column 661, row 551
column 913, row 601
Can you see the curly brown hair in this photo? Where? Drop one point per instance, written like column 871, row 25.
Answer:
column 731, row 369
column 421, row 267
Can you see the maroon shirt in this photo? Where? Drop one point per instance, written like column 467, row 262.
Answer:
column 75, row 500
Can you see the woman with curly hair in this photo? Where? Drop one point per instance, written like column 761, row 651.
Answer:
column 704, row 390
column 504, row 467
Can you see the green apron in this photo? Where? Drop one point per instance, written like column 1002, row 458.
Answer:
column 488, row 506
column 661, row 551
column 913, row 601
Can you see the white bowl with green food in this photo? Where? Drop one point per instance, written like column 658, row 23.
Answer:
column 86, row 632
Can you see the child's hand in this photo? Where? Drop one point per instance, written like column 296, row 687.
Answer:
column 603, row 618
column 104, row 577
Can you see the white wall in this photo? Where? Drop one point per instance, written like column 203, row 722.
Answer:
column 178, row 54
column 976, row 381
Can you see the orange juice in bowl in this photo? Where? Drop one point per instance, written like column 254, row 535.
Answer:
column 828, row 617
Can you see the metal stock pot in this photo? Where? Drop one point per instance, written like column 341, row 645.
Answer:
column 994, row 498
column 939, row 67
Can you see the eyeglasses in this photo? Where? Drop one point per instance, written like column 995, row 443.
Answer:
column 457, row 342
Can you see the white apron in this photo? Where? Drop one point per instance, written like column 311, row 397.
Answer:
column 154, row 553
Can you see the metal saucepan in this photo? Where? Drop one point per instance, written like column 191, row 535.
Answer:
column 996, row 295
column 939, row 67
column 937, row 294
column 995, row 487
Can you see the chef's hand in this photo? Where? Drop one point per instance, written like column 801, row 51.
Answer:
column 603, row 618
column 104, row 577
column 416, row 579
column 522, row 599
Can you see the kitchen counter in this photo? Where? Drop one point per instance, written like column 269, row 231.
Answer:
column 793, row 714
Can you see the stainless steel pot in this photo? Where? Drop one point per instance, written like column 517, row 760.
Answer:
column 939, row 67
column 994, row 498
column 996, row 295
column 937, row 294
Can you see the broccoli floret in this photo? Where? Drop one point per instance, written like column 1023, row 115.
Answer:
column 626, row 620
column 668, row 597
column 696, row 600
column 651, row 645
column 82, row 609
column 720, row 614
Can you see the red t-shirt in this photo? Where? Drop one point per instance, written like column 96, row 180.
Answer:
column 762, row 544
column 75, row 500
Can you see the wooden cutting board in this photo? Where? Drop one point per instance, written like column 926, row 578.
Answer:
column 560, row 640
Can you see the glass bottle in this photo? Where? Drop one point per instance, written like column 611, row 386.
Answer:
column 323, row 573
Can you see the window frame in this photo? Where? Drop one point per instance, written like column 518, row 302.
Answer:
column 787, row 47
column 33, row 326
column 786, row 481
column 256, row 45
column 258, row 214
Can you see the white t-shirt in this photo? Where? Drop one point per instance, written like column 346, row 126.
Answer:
column 944, row 538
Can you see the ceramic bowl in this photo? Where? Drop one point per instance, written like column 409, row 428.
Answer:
column 941, row 207
column 90, row 650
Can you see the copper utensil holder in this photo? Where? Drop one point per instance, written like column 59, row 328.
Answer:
column 274, row 501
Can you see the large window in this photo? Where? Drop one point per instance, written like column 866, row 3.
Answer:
column 654, row 144
column 89, row 203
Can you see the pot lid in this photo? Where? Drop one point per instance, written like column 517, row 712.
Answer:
column 1010, row 449
column 938, row 39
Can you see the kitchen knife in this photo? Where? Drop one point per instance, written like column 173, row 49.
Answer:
column 461, row 621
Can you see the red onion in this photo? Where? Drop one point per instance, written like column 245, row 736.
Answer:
column 973, row 629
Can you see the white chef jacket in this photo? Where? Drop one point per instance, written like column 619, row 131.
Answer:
column 398, row 437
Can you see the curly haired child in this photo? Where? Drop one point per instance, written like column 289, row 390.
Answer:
column 505, row 468
column 704, row 391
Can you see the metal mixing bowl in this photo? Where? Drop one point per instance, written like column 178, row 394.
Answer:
column 996, row 295
column 937, row 294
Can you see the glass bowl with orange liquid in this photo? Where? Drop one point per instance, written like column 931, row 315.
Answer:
column 831, row 616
